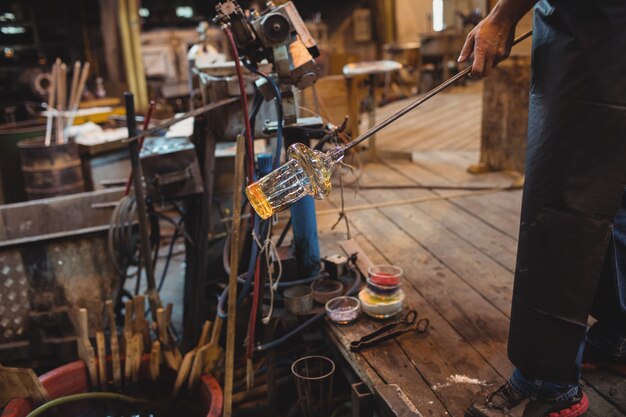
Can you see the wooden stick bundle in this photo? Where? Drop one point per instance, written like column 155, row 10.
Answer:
column 137, row 339
column 61, row 107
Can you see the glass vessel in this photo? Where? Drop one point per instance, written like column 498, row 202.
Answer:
column 385, row 275
column 381, row 307
column 343, row 310
column 307, row 172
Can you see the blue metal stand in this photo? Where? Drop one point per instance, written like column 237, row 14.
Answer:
column 305, row 238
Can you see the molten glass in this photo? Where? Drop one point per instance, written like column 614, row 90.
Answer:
column 307, row 172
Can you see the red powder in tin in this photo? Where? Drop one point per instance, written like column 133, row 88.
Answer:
column 385, row 279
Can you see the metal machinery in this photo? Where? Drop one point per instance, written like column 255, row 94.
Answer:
column 279, row 36
column 280, row 54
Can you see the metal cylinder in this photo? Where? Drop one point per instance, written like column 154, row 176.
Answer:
column 298, row 300
column 50, row 171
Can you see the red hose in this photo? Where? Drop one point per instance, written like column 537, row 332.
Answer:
column 250, row 151
column 244, row 105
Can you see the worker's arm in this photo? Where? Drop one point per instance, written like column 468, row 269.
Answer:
column 491, row 41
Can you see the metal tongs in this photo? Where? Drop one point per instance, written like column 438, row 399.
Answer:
column 392, row 330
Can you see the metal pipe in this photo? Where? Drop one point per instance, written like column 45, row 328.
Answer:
column 133, row 147
column 193, row 113
column 421, row 100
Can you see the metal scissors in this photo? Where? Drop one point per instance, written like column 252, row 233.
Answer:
column 392, row 330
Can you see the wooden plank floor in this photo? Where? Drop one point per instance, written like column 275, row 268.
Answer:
column 457, row 249
column 428, row 128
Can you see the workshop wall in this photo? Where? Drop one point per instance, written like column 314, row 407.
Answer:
column 414, row 17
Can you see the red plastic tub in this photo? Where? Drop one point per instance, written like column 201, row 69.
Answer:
column 72, row 379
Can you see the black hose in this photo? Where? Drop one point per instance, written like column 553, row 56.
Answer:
column 275, row 343
column 279, row 110
column 256, row 107
column 283, row 234
column 169, row 256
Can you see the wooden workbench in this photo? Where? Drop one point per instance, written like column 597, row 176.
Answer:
column 458, row 255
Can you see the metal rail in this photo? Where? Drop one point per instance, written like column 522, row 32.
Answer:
column 196, row 112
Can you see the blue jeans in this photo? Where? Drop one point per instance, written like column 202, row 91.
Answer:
column 535, row 388
column 608, row 335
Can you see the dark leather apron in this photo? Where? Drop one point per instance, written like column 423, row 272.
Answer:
column 575, row 177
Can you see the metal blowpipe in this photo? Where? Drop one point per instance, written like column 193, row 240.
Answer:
column 421, row 100
column 308, row 171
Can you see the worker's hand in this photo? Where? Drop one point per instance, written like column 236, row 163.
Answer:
column 490, row 42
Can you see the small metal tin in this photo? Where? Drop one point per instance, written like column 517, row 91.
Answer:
column 298, row 300
column 326, row 289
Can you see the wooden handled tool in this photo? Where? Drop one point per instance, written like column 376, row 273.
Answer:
column 214, row 352
column 85, row 350
column 189, row 358
column 115, row 345
column 171, row 354
column 137, row 349
column 183, row 371
column 140, row 325
column 128, row 335
column 102, row 359
column 155, row 360
column 20, row 383
column 203, row 345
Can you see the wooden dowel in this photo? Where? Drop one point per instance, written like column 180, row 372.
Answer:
column 232, row 279
column 81, row 85
column 79, row 93
column 51, row 103
column 61, row 99
column 74, row 85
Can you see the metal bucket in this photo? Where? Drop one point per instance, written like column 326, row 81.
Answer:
column 10, row 174
column 50, row 171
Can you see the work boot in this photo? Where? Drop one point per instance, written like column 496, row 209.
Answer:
column 506, row 401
